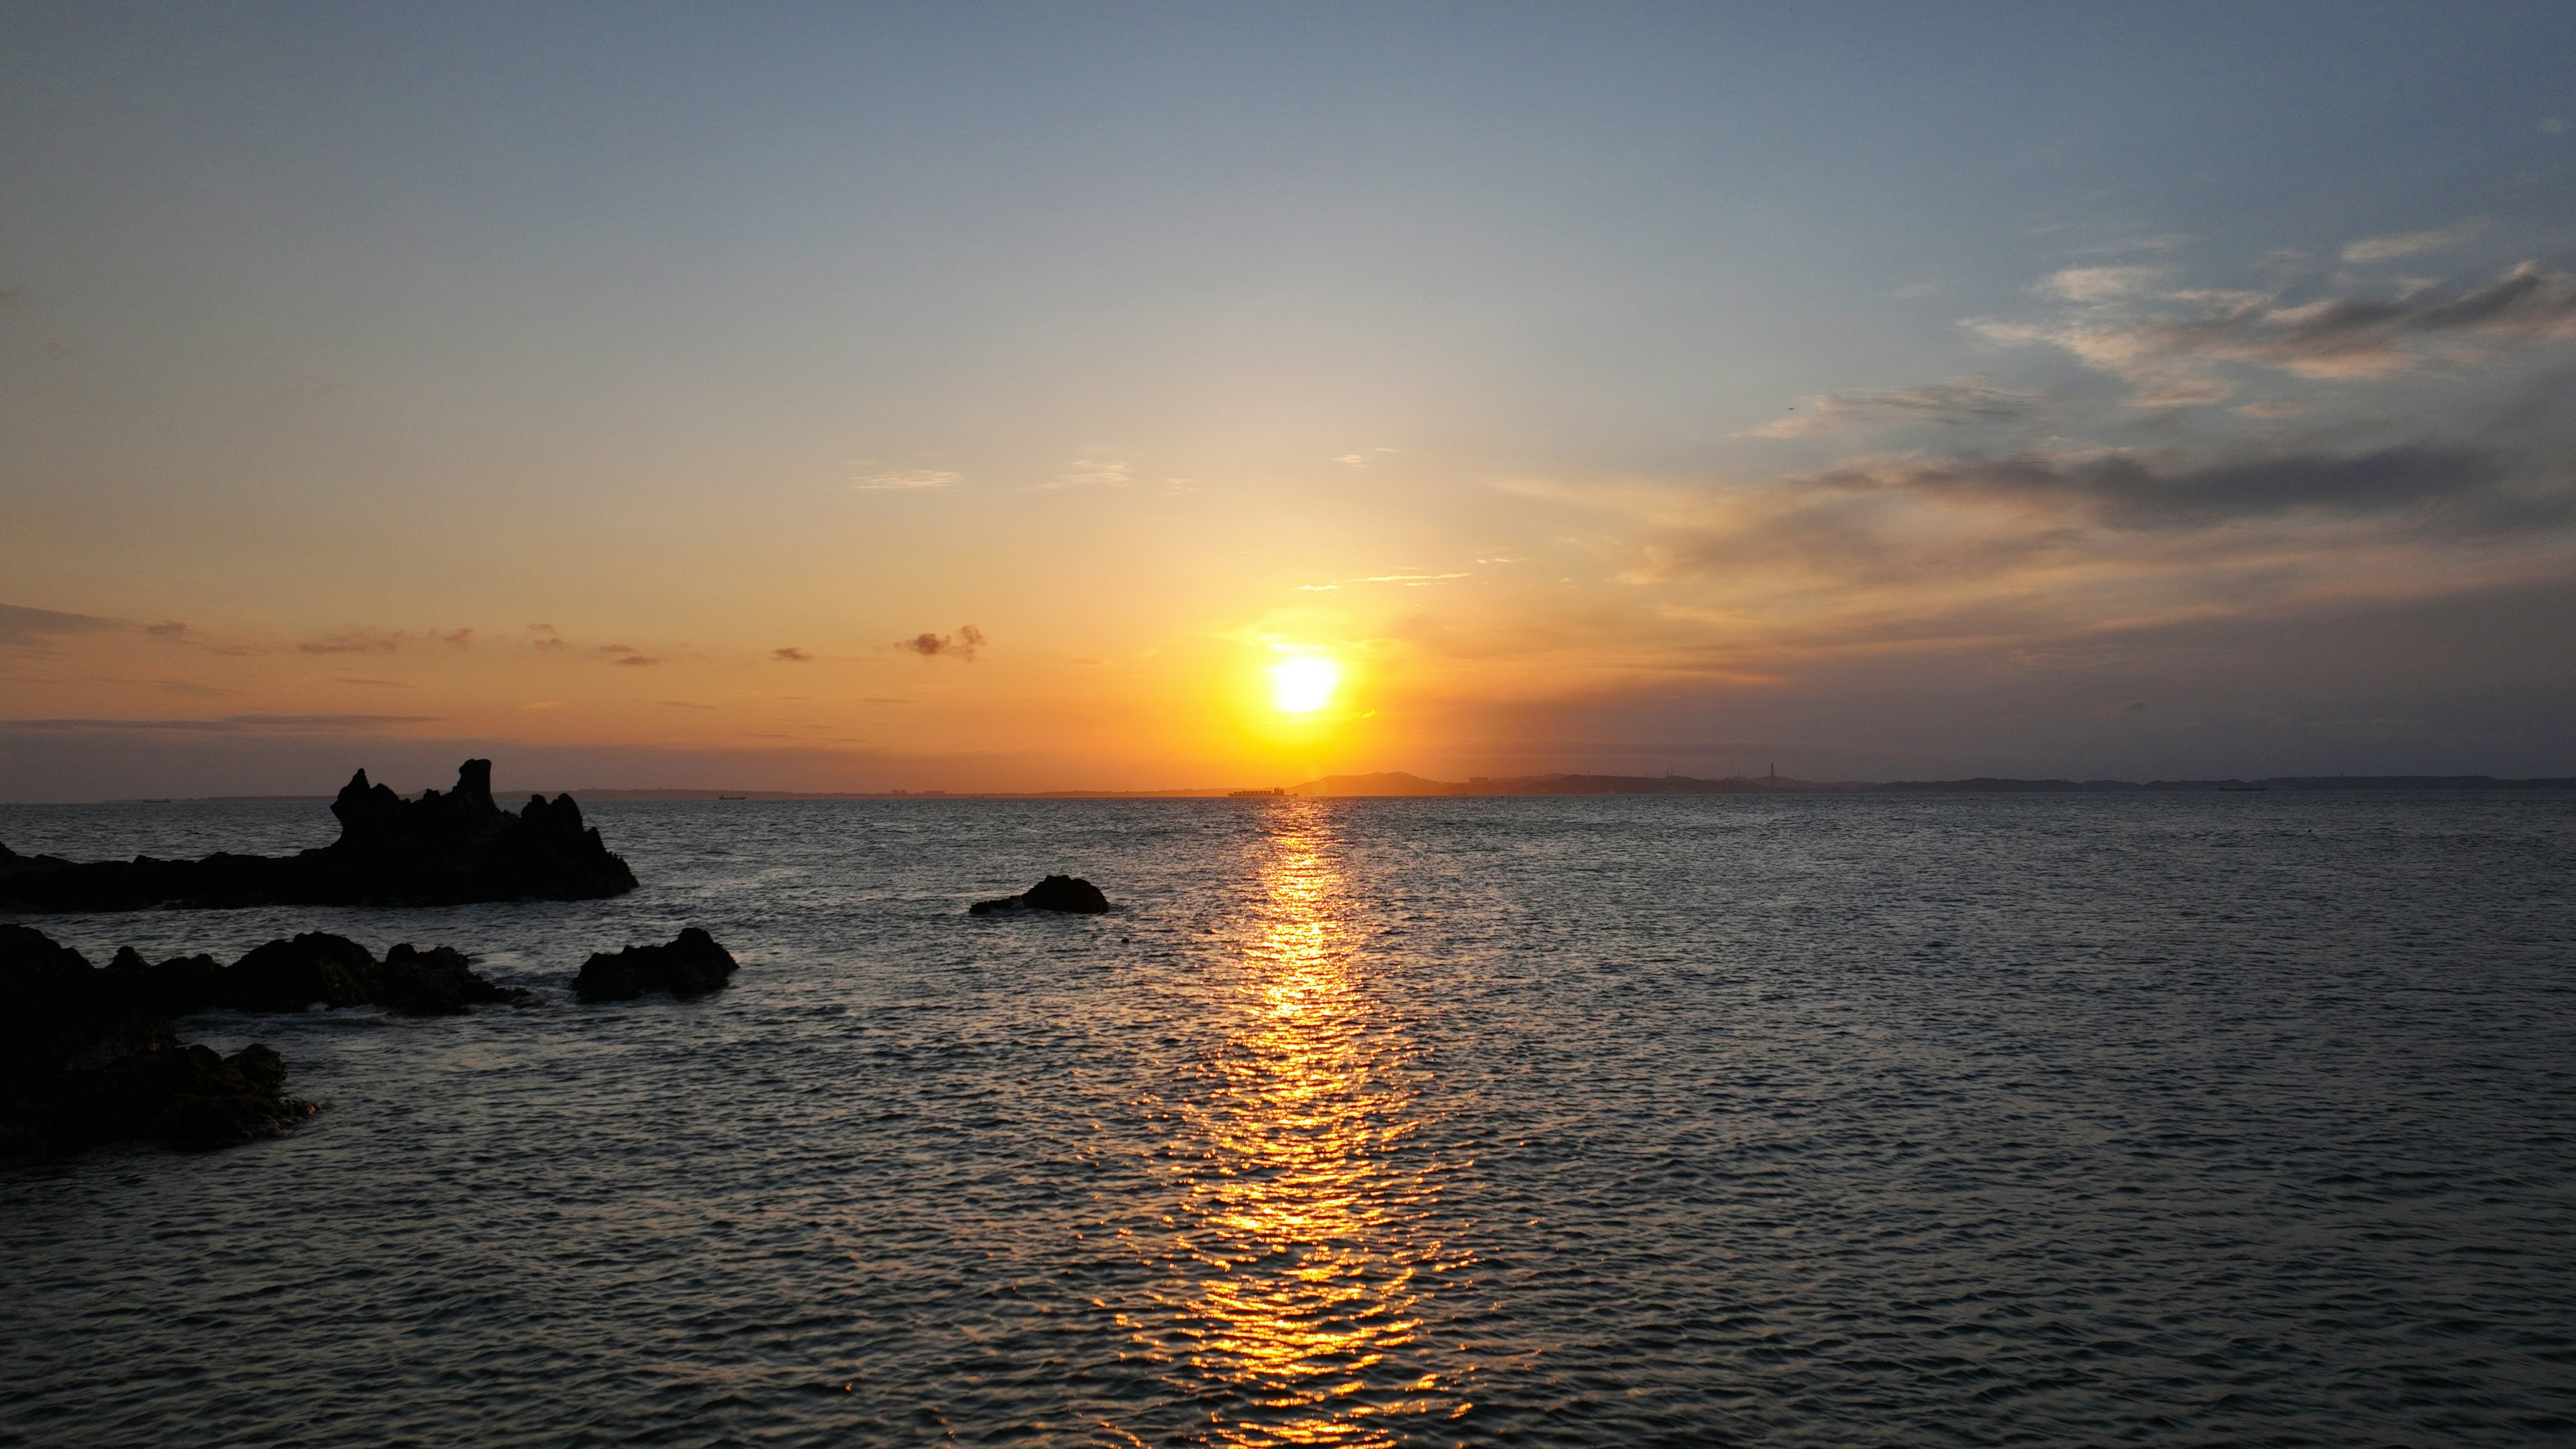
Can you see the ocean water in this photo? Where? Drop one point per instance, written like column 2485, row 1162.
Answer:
column 2243, row 1119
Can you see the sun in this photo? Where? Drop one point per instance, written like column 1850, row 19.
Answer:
column 1304, row 684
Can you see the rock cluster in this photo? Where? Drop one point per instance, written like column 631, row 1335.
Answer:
column 692, row 965
column 436, row 850
column 87, row 1057
column 313, row 969
column 1056, row 893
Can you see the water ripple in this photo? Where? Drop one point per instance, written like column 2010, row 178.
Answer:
column 1687, row 1121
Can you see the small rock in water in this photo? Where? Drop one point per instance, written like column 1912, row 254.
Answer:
column 692, row 965
column 1066, row 893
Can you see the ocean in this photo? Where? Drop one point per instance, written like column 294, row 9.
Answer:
column 1835, row 1120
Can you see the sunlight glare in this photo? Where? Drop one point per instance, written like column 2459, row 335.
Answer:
column 1304, row 684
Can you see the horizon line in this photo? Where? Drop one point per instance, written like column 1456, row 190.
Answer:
column 1406, row 785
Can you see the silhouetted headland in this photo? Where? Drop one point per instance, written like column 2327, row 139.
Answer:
column 1067, row 893
column 434, row 851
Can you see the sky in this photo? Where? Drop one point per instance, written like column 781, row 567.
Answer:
column 1106, row 396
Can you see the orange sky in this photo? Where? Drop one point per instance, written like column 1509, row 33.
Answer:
column 1677, row 394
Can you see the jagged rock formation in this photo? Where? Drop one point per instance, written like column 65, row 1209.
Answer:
column 314, row 969
column 692, row 965
column 86, row 1059
column 436, row 850
column 1066, row 893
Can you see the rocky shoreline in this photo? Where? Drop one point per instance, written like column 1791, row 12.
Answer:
column 90, row 1054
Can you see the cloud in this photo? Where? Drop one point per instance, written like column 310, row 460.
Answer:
column 177, row 633
column 907, row 480
column 374, row 683
column 638, row 660
column 2098, row 284
column 2554, row 125
column 353, row 641
column 2406, row 244
column 232, row 724
column 20, row 624
column 543, row 636
column 2169, row 353
column 1089, row 472
column 455, row 638
column 1972, row 400
column 11, row 296
column 791, row 656
column 1353, row 460
column 1892, row 547
column 2126, row 491
column 932, row 646
column 1410, row 581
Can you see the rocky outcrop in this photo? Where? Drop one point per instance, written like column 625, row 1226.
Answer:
column 441, row 849
column 87, row 1057
column 692, row 965
column 1067, row 893
column 313, row 969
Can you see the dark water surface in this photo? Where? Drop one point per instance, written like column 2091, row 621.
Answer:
column 1831, row 1121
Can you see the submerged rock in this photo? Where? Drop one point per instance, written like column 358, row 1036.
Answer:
column 692, row 965
column 89, row 1056
column 436, row 850
column 1071, row 894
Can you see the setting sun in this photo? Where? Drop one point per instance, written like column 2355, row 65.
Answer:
column 1304, row 684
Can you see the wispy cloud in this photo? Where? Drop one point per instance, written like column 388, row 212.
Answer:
column 1411, row 581
column 20, row 624
column 903, row 480
column 790, row 656
column 234, row 724
column 354, row 641
column 2168, row 343
column 2406, row 244
column 2099, row 284
column 1971, row 400
column 1094, row 472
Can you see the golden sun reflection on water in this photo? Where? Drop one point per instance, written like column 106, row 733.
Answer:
column 1305, row 1224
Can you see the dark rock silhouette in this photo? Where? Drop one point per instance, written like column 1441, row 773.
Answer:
column 59, row 1014
column 86, row 1056
column 436, row 983
column 313, row 969
column 1066, row 893
column 436, row 850
column 692, row 965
